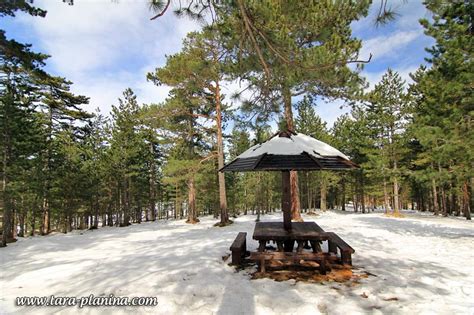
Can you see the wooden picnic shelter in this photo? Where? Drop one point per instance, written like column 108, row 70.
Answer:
column 289, row 151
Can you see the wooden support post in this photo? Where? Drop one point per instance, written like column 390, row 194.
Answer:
column 346, row 258
column 322, row 266
column 280, row 246
column 332, row 247
column 300, row 247
column 286, row 200
column 288, row 245
column 316, row 246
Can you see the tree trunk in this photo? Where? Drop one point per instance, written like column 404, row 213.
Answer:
column 286, row 200
column 343, row 193
column 7, row 234
column 308, row 192
column 21, row 220
column 295, row 198
column 355, row 202
column 385, row 196
column 6, row 202
column 452, row 203
column 138, row 214
column 258, row 194
column 152, row 199
column 126, row 206
column 466, row 208
column 444, row 211
column 33, row 220
column 362, row 190
column 46, row 228
column 323, row 193
column 435, row 197
column 220, row 158
column 97, row 210
column 396, row 202
column 245, row 200
column 192, row 215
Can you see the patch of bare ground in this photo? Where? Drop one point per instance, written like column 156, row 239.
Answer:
column 394, row 215
column 306, row 273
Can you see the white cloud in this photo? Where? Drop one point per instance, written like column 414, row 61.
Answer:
column 404, row 72
column 388, row 46
column 106, row 46
column 329, row 111
column 407, row 15
column 105, row 91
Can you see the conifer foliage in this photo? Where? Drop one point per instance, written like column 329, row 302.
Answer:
column 63, row 168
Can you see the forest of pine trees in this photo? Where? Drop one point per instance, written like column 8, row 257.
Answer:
column 64, row 168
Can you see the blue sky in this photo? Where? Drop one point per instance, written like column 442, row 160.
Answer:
column 105, row 46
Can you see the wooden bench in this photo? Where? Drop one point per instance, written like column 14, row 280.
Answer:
column 321, row 258
column 239, row 248
column 335, row 242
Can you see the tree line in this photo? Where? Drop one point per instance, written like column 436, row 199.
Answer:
column 64, row 168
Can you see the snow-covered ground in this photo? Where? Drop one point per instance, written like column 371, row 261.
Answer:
column 426, row 262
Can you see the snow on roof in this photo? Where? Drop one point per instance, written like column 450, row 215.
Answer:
column 295, row 145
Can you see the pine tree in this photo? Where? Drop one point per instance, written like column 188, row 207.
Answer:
column 443, row 104
column 285, row 53
column 198, row 68
column 388, row 109
column 60, row 110
column 125, row 154
column 353, row 137
column 308, row 122
column 19, row 70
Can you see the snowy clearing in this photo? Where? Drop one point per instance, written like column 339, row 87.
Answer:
column 425, row 262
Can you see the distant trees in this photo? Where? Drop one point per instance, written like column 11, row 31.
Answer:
column 37, row 110
column 444, row 111
column 387, row 110
column 309, row 123
column 17, row 73
column 63, row 168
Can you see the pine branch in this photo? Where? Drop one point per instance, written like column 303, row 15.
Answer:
column 162, row 11
column 248, row 27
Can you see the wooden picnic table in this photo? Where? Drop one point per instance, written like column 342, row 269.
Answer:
column 301, row 232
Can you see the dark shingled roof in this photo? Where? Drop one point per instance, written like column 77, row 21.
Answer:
column 281, row 162
column 269, row 162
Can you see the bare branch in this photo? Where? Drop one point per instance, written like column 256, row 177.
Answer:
column 162, row 12
column 208, row 157
column 247, row 24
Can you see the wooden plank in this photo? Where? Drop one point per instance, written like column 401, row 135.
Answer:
column 258, row 256
column 339, row 242
column 295, row 258
column 317, row 227
column 239, row 248
column 274, row 231
column 346, row 250
column 239, row 241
